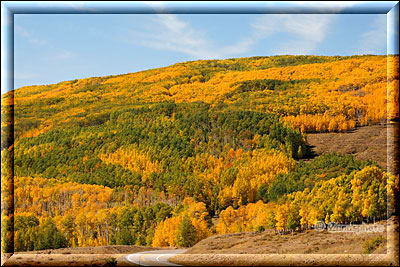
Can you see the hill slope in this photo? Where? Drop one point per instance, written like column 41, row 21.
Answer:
column 353, row 87
column 148, row 158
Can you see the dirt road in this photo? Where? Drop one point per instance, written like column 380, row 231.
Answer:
column 154, row 258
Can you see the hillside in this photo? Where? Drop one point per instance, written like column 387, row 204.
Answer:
column 298, row 86
column 149, row 158
column 315, row 248
column 365, row 143
column 307, row 242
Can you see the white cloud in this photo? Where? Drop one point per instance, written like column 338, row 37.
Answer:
column 374, row 40
column 167, row 32
column 58, row 54
column 240, row 47
column 306, row 31
column 170, row 33
column 303, row 32
column 29, row 36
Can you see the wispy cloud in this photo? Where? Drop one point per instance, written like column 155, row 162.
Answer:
column 304, row 31
column 169, row 32
column 57, row 53
column 60, row 55
column 29, row 36
column 374, row 40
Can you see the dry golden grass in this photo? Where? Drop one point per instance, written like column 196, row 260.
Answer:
column 309, row 248
column 365, row 143
column 269, row 242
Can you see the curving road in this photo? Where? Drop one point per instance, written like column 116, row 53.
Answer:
column 154, row 258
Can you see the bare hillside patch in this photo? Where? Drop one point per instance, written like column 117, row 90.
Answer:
column 365, row 143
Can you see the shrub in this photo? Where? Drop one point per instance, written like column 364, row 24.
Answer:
column 260, row 229
column 372, row 244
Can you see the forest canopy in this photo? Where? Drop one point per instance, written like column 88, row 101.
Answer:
column 150, row 158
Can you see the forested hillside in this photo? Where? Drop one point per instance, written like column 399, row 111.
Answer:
column 149, row 158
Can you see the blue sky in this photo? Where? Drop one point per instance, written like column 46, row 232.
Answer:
column 49, row 48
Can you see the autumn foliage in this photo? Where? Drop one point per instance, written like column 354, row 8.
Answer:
column 170, row 156
column 361, row 195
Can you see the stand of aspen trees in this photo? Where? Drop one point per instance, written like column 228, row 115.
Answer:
column 149, row 158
